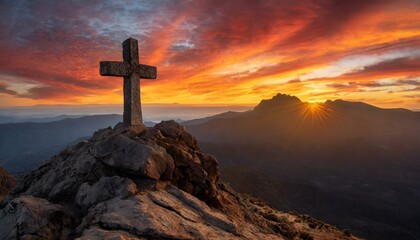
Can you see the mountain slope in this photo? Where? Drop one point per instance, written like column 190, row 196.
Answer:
column 7, row 183
column 359, row 163
column 24, row 119
column 138, row 183
column 224, row 115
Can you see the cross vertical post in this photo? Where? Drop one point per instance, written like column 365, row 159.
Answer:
column 132, row 104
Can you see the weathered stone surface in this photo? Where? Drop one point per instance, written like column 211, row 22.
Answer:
column 132, row 157
column 175, row 131
column 105, row 189
column 116, row 69
column 170, row 129
column 97, row 233
column 132, row 105
column 59, row 179
column 146, row 71
column 129, row 131
column 132, row 71
column 195, row 172
column 166, row 214
column 28, row 217
column 63, row 190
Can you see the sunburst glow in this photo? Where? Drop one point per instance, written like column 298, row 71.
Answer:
column 315, row 113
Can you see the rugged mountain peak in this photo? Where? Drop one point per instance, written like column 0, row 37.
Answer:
column 141, row 183
column 7, row 183
column 279, row 100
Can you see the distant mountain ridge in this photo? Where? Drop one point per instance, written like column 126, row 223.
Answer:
column 23, row 145
column 281, row 115
column 229, row 114
column 339, row 151
column 15, row 119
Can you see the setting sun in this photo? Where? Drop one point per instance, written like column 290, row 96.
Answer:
column 314, row 107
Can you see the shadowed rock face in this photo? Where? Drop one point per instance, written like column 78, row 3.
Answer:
column 141, row 183
column 7, row 182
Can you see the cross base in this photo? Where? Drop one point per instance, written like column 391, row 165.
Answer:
column 130, row 131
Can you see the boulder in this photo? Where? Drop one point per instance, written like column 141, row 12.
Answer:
column 162, row 214
column 127, row 155
column 27, row 217
column 173, row 130
column 106, row 188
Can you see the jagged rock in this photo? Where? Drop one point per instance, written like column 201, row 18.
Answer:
column 277, row 101
column 154, row 183
column 106, row 188
column 27, row 217
column 175, row 131
column 165, row 214
column 129, row 130
column 130, row 156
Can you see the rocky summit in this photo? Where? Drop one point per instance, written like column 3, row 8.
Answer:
column 143, row 183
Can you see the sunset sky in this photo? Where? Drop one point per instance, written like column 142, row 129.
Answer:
column 213, row 52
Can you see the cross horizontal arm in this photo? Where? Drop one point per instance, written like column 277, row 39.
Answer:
column 111, row 68
column 146, row 71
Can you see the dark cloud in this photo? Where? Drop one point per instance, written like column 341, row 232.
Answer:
column 416, row 89
column 410, row 82
column 374, row 86
column 349, row 85
column 4, row 89
column 296, row 80
column 51, row 92
column 332, row 17
column 394, row 68
column 406, row 65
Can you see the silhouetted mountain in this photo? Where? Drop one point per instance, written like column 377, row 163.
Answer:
column 277, row 101
column 14, row 119
column 348, row 163
column 143, row 183
column 229, row 114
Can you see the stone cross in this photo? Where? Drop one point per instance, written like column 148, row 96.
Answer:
column 132, row 71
